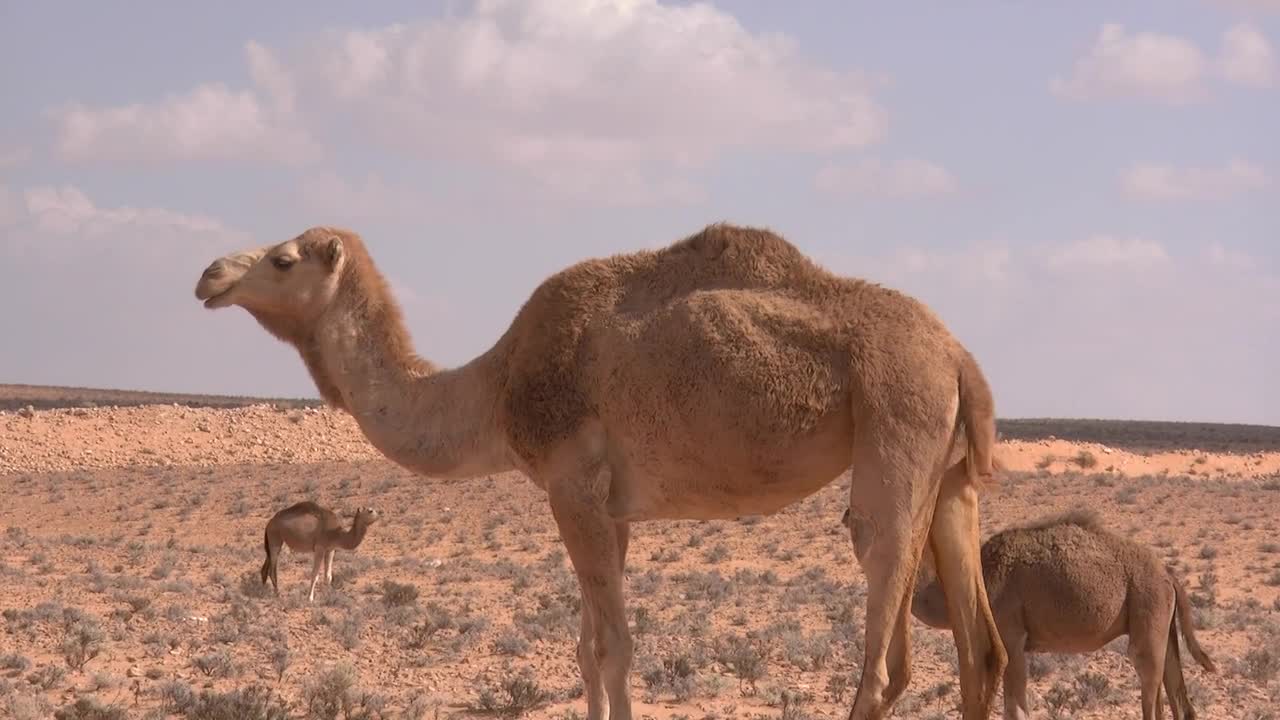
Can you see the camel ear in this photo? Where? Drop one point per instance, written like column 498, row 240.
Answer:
column 332, row 253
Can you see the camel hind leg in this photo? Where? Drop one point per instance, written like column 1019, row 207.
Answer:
column 955, row 541
column 897, row 472
column 1175, row 685
column 271, row 563
column 1149, row 628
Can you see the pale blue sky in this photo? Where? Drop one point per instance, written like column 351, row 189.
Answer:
column 1086, row 192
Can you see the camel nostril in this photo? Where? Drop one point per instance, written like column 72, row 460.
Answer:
column 214, row 271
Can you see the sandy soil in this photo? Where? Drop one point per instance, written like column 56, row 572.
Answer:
column 136, row 532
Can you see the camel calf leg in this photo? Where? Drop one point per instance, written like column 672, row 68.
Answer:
column 1015, row 673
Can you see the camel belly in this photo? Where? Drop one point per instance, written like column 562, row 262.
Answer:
column 1069, row 613
column 725, row 480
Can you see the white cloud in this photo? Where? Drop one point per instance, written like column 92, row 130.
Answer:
column 1108, row 251
column 1103, row 344
column 619, row 101
column 1149, row 65
column 63, row 223
column 1222, row 256
column 350, row 201
column 900, row 179
column 1257, row 5
column 1165, row 182
column 211, row 121
column 1165, row 68
column 8, row 207
column 1247, row 57
column 13, row 157
column 108, row 292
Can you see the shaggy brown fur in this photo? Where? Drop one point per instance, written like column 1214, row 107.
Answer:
column 1066, row 584
column 307, row 527
column 723, row 375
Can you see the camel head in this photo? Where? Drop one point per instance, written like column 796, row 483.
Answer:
column 366, row 516
column 286, row 287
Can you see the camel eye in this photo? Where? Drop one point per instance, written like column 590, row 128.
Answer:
column 282, row 262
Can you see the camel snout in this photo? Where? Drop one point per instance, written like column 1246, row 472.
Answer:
column 210, row 283
column 216, row 269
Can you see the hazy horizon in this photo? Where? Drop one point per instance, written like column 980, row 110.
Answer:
column 1086, row 194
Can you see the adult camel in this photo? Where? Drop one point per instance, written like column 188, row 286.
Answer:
column 723, row 375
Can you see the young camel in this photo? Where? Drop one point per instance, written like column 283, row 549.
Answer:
column 723, row 375
column 1066, row 584
column 307, row 527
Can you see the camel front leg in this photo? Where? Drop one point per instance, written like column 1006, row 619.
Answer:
column 594, row 543
column 328, row 566
column 592, row 685
column 316, row 562
column 955, row 540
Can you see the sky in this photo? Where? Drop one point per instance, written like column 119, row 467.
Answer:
column 1085, row 192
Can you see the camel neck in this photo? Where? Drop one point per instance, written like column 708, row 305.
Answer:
column 440, row 423
column 352, row 538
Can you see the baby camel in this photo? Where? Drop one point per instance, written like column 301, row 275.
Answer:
column 307, row 527
column 1066, row 584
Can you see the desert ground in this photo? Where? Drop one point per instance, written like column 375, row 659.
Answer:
column 133, row 537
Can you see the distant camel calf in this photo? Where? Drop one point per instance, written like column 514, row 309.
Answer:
column 1066, row 584
column 307, row 527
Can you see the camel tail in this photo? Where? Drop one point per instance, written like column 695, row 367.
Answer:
column 978, row 414
column 1183, row 617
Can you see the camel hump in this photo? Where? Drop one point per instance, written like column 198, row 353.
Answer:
column 741, row 250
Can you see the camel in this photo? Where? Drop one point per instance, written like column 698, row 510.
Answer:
column 307, row 527
column 723, row 375
column 1066, row 584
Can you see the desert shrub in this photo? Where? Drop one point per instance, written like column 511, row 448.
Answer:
column 82, row 643
column 214, row 664
column 1207, row 595
column 1085, row 459
column 1261, row 665
column 46, row 677
column 280, row 659
column 509, row 642
column 436, row 618
column 14, row 661
column 743, row 658
column 26, row 707
column 251, row 585
column 348, row 629
column 513, row 696
column 675, row 675
column 711, row 586
column 88, row 708
column 396, row 594
column 254, row 702
column 333, row 694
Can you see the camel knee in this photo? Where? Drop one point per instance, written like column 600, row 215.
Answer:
column 587, row 661
column 612, row 651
